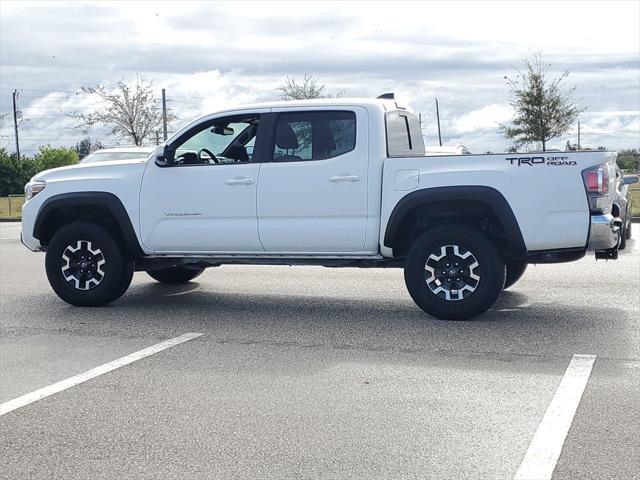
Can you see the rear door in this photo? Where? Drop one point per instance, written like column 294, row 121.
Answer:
column 312, row 191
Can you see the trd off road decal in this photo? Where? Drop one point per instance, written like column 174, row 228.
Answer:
column 531, row 161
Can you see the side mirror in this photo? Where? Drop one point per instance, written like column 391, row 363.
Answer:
column 629, row 179
column 167, row 157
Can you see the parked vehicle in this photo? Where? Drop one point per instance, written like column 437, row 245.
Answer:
column 118, row 153
column 622, row 204
column 334, row 182
column 431, row 150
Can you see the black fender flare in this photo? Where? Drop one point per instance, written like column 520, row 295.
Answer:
column 472, row 193
column 105, row 200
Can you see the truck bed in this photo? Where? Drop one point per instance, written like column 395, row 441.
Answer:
column 544, row 190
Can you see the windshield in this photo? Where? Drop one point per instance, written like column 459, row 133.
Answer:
column 99, row 156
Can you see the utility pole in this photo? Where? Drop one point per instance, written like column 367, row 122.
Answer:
column 578, row 135
column 164, row 115
column 15, row 121
column 438, row 117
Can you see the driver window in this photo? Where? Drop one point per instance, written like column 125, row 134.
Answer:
column 221, row 142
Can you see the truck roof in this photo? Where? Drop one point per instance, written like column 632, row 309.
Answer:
column 386, row 104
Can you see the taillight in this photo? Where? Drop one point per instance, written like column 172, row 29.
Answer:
column 591, row 181
column 596, row 183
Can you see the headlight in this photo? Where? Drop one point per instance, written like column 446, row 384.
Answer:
column 32, row 188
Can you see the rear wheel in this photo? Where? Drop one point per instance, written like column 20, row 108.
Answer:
column 85, row 265
column 453, row 272
column 515, row 270
column 175, row 274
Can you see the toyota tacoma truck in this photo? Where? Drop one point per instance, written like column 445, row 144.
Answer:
column 337, row 183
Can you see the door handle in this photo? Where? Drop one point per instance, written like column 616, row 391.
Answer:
column 239, row 181
column 344, row 178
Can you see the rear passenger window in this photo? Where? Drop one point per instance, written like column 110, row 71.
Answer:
column 302, row 136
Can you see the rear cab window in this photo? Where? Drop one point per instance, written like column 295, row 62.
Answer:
column 404, row 134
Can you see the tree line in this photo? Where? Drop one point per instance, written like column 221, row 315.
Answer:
column 15, row 173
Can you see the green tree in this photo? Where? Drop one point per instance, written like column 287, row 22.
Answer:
column 86, row 146
column 629, row 160
column 307, row 89
column 14, row 173
column 545, row 108
column 129, row 111
column 53, row 157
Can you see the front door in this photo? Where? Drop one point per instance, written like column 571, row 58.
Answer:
column 312, row 193
column 205, row 200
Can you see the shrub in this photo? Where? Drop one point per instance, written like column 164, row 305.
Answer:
column 629, row 160
column 14, row 173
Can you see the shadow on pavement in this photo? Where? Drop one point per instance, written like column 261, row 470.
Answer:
column 514, row 326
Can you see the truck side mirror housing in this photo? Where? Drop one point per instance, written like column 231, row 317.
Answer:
column 167, row 157
column 629, row 179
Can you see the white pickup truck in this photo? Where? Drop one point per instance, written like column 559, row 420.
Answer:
column 338, row 183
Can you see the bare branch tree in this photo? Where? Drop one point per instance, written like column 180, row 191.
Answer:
column 545, row 108
column 308, row 88
column 129, row 111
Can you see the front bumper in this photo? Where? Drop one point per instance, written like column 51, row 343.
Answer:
column 28, row 219
column 604, row 232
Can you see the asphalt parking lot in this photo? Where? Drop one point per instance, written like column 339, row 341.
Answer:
column 310, row 372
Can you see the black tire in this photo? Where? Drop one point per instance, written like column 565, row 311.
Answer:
column 627, row 231
column 126, row 280
column 515, row 270
column 623, row 238
column 420, row 266
column 107, row 270
column 175, row 274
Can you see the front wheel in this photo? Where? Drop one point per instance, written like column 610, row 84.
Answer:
column 85, row 265
column 454, row 273
column 175, row 274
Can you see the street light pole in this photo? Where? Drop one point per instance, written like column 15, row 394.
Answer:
column 578, row 135
column 15, row 122
column 164, row 115
column 438, row 117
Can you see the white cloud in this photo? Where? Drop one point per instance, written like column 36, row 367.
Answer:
column 485, row 118
column 211, row 55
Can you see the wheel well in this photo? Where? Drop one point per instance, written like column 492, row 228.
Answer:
column 101, row 208
column 615, row 210
column 477, row 214
column 97, row 214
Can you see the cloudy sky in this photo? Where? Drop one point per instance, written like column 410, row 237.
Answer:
column 211, row 55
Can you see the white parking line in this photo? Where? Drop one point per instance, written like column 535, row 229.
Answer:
column 41, row 393
column 544, row 451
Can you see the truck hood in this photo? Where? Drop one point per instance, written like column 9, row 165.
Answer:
column 88, row 170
